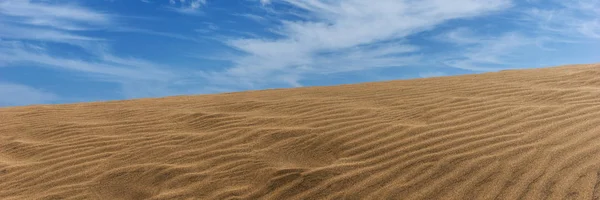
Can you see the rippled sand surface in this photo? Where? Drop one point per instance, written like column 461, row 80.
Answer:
column 531, row 134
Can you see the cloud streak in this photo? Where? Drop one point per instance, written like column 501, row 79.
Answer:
column 63, row 16
column 569, row 18
column 542, row 24
column 189, row 7
column 341, row 36
column 29, row 27
column 17, row 94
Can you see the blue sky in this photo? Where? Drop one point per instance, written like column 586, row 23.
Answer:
column 64, row 51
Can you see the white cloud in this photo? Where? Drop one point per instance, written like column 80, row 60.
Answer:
column 461, row 36
column 578, row 19
column 136, row 77
column 208, row 28
column 156, row 33
column 492, row 53
column 23, row 32
column 41, row 34
column 16, row 94
column 107, row 66
column 52, row 15
column 27, row 20
column 569, row 25
column 339, row 36
column 265, row 2
column 62, row 23
column 478, row 52
column 257, row 18
column 195, row 4
column 187, row 6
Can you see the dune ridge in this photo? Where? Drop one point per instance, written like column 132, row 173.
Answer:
column 516, row 134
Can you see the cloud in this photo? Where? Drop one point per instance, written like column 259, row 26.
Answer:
column 563, row 24
column 58, row 16
column 477, row 52
column 575, row 19
column 25, row 20
column 135, row 78
column 25, row 42
column 460, row 36
column 64, row 23
column 189, row 7
column 41, row 34
column 491, row 53
column 16, row 94
column 342, row 36
column 208, row 28
column 254, row 17
column 156, row 33
column 106, row 66
column 265, row 2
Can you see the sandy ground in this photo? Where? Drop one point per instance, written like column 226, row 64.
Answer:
column 531, row 134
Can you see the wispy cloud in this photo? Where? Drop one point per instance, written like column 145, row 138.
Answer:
column 31, row 23
column 16, row 94
column 156, row 33
column 63, row 16
column 460, row 36
column 52, row 22
column 485, row 54
column 541, row 24
column 567, row 18
column 105, row 66
column 48, row 22
column 207, row 28
column 340, row 36
column 41, row 34
column 255, row 17
column 187, row 6
column 265, row 2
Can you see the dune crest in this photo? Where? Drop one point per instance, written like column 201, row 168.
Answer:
column 516, row 134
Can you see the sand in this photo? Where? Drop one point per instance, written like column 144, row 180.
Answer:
column 517, row 134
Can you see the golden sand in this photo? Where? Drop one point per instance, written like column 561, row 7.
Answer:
column 531, row 134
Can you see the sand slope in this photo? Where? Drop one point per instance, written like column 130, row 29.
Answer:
column 531, row 134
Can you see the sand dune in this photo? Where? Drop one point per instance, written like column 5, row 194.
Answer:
column 517, row 134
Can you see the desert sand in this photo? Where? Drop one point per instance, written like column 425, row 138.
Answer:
column 516, row 134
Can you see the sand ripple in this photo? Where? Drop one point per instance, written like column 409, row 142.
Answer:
column 517, row 134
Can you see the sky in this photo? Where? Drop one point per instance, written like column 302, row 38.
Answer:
column 67, row 51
